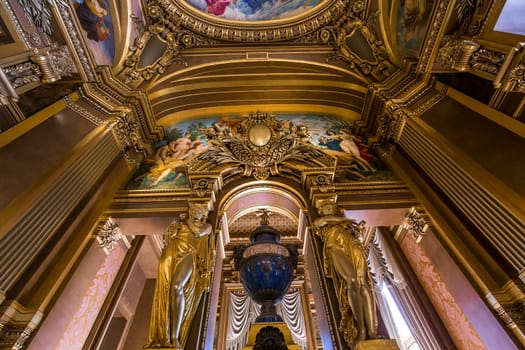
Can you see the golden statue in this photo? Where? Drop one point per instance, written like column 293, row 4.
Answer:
column 183, row 275
column 346, row 263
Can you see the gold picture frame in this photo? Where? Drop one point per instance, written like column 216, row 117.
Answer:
column 10, row 42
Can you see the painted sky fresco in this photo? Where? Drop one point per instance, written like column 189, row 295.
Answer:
column 97, row 26
column 253, row 10
column 183, row 141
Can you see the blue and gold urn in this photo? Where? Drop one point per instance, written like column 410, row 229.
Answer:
column 266, row 269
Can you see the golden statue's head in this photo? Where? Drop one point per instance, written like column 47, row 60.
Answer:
column 327, row 207
column 198, row 213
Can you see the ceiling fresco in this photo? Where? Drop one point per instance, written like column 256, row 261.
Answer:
column 254, row 10
column 165, row 169
column 96, row 21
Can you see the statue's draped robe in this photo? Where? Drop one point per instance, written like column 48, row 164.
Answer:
column 177, row 247
column 339, row 241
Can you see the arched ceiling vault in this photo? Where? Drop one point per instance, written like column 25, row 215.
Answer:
column 244, row 86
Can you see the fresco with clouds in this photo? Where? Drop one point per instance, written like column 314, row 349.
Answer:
column 95, row 19
column 253, row 10
column 183, row 141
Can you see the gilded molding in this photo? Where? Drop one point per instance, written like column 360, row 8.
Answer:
column 83, row 112
column 76, row 40
column 434, row 32
column 16, row 23
column 137, row 100
column 250, row 32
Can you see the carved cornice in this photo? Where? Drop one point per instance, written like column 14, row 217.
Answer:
column 113, row 88
column 16, row 325
column 243, row 31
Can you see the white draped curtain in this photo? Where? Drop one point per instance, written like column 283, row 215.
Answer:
column 242, row 312
column 292, row 313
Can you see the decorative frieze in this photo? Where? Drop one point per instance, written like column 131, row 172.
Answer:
column 455, row 54
column 22, row 74
column 487, row 61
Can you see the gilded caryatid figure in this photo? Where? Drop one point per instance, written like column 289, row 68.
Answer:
column 346, row 263
column 183, row 275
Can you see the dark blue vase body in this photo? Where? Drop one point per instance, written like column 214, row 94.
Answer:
column 266, row 269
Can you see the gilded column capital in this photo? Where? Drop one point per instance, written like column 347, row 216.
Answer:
column 109, row 235
column 415, row 224
column 511, row 76
column 392, row 122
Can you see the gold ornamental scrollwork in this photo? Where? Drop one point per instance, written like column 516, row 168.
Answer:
column 259, row 146
column 355, row 43
column 244, row 31
column 173, row 38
